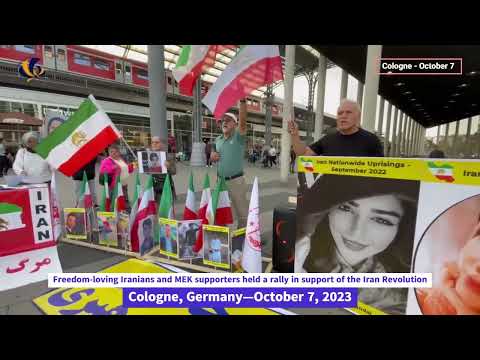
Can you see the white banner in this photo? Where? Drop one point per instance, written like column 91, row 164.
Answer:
column 28, row 267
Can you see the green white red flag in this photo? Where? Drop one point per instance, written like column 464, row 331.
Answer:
column 85, row 195
column 190, row 212
column 202, row 212
column 147, row 208
column 79, row 139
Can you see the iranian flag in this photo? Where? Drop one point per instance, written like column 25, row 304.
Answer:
column 193, row 60
column 166, row 201
column 254, row 66
column 190, row 212
column 252, row 248
column 78, row 140
column 118, row 197
column 308, row 165
column 105, row 204
column 442, row 172
column 147, row 208
column 85, row 195
column 219, row 209
column 137, row 197
column 202, row 212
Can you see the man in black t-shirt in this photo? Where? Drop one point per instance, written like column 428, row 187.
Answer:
column 348, row 140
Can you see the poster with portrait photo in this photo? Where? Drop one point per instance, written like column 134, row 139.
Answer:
column 187, row 236
column 107, row 228
column 216, row 246
column 354, row 224
column 168, row 237
column 123, row 236
column 152, row 162
column 146, row 234
column 447, row 244
column 238, row 240
column 75, row 223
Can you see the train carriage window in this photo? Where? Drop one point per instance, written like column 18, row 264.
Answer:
column 128, row 71
column 101, row 65
column 48, row 51
column 142, row 74
column 81, row 59
column 30, row 49
column 118, row 68
column 6, row 47
column 61, row 55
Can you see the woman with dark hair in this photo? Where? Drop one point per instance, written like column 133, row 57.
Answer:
column 359, row 225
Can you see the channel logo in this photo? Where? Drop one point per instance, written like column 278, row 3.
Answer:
column 30, row 70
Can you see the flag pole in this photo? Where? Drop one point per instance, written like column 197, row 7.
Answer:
column 129, row 148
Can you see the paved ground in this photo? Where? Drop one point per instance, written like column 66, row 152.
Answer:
column 81, row 259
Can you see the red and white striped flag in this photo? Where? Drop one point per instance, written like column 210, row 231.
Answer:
column 202, row 212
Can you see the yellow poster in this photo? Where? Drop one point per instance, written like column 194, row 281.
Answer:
column 103, row 301
column 464, row 172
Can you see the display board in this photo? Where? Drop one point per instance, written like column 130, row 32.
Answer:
column 379, row 215
column 28, row 249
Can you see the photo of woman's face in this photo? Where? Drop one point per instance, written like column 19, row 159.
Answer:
column 362, row 228
column 468, row 284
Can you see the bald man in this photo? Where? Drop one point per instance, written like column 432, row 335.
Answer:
column 349, row 139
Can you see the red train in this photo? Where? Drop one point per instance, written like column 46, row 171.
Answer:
column 93, row 63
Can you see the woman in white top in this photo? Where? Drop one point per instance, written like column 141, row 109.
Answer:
column 28, row 162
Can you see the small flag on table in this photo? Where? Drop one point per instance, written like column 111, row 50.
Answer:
column 202, row 212
column 190, row 212
column 85, row 195
column 166, row 201
column 147, row 208
column 105, row 204
column 118, row 197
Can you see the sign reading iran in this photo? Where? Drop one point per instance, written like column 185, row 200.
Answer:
column 77, row 141
column 41, row 217
column 25, row 219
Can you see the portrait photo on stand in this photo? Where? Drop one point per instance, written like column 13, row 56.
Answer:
column 123, row 236
column 187, row 236
column 107, row 228
column 168, row 237
column 146, row 231
column 238, row 240
column 216, row 246
column 75, row 223
column 353, row 224
column 152, row 162
column 450, row 250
